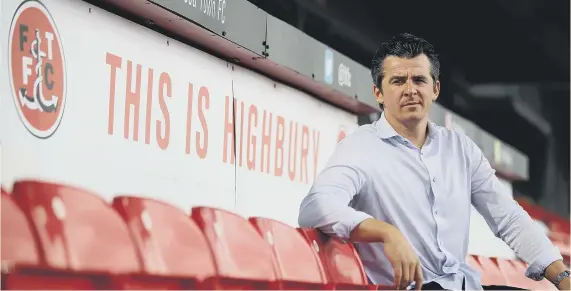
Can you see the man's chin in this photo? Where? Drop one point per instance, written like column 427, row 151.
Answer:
column 413, row 116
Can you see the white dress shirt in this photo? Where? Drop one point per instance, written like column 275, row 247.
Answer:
column 425, row 193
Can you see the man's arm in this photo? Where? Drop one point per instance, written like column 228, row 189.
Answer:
column 326, row 208
column 372, row 230
column 509, row 221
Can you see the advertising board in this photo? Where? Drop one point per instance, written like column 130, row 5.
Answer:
column 134, row 112
column 92, row 100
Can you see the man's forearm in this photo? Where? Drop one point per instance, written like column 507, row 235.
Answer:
column 372, row 230
column 554, row 270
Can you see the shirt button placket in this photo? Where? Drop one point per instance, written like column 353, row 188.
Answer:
column 435, row 213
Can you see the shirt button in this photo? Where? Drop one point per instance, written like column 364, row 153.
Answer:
column 433, row 179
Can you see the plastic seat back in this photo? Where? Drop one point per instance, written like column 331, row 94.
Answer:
column 76, row 228
column 560, row 225
column 4, row 192
column 296, row 261
column 513, row 276
column 170, row 243
column 243, row 259
column 340, row 260
column 18, row 241
column 473, row 262
column 22, row 267
column 18, row 246
column 491, row 272
column 559, row 237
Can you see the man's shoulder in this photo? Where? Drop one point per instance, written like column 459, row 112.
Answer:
column 366, row 129
column 358, row 141
column 362, row 133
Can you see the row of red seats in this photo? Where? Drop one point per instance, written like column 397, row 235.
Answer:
column 503, row 272
column 61, row 237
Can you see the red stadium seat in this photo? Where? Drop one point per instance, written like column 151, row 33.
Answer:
column 23, row 263
column 18, row 243
column 560, row 225
column 515, row 277
column 4, row 192
column 341, row 262
column 298, row 267
column 473, row 262
column 20, row 257
column 492, row 274
column 559, row 237
column 170, row 243
column 244, row 260
column 80, row 235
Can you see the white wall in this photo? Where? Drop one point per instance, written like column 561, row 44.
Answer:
column 482, row 239
column 184, row 105
column 182, row 152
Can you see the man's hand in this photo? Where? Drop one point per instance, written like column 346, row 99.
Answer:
column 405, row 262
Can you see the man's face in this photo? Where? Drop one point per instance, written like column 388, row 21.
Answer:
column 408, row 89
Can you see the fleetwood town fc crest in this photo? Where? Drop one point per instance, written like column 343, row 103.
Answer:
column 37, row 68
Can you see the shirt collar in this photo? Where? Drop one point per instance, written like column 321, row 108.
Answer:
column 386, row 131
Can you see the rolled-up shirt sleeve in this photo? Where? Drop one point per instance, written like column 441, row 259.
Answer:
column 506, row 218
column 326, row 207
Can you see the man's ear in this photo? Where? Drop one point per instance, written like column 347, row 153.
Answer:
column 436, row 90
column 378, row 94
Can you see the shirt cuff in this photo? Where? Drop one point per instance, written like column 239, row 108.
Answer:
column 536, row 269
column 344, row 228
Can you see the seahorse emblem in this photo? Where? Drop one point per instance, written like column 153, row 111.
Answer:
column 37, row 101
column 37, row 68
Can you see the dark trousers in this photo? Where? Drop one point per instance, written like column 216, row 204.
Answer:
column 436, row 286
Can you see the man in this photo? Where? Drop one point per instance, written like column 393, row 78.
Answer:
column 401, row 187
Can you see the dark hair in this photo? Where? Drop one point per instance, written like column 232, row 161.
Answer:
column 404, row 45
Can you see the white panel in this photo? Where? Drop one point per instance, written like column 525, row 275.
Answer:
column 94, row 146
column 82, row 152
column 482, row 239
column 308, row 131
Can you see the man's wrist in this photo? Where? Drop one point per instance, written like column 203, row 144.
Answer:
column 553, row 270
column 562, row 280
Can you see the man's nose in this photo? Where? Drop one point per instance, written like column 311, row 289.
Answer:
column 410, row 88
